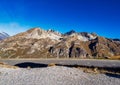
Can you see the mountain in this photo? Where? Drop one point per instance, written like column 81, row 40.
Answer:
column 3, row 35
column 39, row 43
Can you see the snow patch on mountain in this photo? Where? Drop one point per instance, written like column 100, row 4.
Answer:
column 3, row 35
column 83, row 36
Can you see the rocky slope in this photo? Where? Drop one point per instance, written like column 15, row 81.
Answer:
column 39, row 43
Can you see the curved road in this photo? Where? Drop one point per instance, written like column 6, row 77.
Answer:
column 82, row 62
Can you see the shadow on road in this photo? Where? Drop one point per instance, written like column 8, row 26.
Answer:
column 31, row 65
column 113, row 75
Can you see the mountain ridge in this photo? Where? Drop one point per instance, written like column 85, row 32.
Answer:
column 39, row 43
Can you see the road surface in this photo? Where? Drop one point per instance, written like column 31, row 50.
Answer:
column 81, row 62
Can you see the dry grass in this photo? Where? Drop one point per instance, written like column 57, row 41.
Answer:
column 4, row 65
column 97, row 70
column 51, row 64
column 90, row 70
column 115, row 58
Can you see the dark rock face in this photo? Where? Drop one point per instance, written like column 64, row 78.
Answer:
column 38, row 43
column 76, row 51
column 102, row 47
column 70, row 32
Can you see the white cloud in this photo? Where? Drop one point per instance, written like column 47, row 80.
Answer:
column 12, row 28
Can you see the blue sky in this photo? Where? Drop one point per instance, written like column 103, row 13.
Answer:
column 100, row 16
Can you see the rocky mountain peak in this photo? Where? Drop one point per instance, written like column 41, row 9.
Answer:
column 51, row 30
column 82, row 36
column 70, row 32
column 35, row 30
column 38, row 33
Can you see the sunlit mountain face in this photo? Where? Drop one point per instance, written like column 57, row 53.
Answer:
column 39, row 43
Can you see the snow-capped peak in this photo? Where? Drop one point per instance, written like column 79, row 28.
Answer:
column 3, row 35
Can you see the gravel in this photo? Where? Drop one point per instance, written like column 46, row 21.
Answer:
column 55, row 75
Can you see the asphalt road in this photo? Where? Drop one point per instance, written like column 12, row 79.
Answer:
column 82, row 62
